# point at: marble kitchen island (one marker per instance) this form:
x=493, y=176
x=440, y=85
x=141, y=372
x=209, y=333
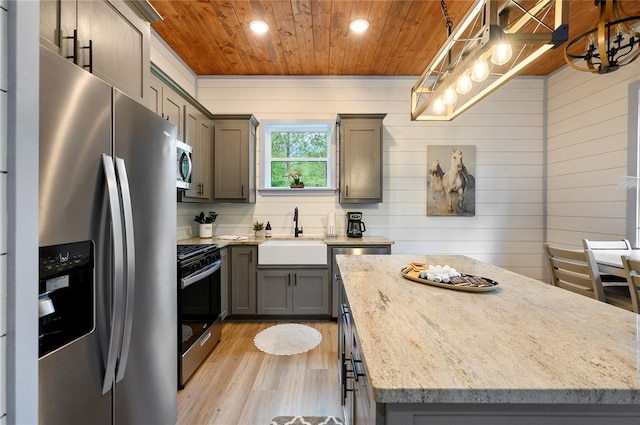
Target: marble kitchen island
x=526, y=353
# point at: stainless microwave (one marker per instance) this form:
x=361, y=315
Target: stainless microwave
x=184, y=164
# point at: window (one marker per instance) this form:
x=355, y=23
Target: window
x=298, y=152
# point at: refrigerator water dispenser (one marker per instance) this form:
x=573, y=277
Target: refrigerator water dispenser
x=65, y=301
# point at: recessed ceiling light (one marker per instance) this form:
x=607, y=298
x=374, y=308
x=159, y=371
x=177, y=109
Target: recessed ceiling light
x=258, y=26
x=359, y=25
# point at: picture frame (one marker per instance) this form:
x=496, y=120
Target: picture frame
x=451, y=180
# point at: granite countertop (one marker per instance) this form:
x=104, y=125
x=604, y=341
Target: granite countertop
x=252, y=240
x=525, y=342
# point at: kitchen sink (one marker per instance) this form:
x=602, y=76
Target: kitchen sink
x=292, y=252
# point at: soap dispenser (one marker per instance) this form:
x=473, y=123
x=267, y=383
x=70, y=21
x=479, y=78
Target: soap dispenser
x=267, y=231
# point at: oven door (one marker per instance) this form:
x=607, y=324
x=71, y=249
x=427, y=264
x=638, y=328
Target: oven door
x=184, y=162
x=200, y=326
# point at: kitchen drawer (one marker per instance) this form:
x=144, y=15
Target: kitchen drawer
x=3, y=49
x=3, y=213
x=3, y=376
x=3, y=295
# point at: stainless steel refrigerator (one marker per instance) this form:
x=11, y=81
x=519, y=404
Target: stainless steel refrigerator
x=107, y=231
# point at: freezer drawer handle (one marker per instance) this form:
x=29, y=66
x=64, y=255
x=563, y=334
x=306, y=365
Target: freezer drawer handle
x=206, y=338
x=130, y=269
x=117, y=307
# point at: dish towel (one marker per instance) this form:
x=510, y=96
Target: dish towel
x=232, y=238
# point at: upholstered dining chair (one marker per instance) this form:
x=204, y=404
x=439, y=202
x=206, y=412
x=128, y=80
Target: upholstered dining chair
x=575, y=271
x=619, y=245
x=632, y=270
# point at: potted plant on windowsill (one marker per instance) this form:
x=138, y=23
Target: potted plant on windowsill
x=296, y=179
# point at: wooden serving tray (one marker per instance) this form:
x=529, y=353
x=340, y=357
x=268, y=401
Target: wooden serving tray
x=465, y=282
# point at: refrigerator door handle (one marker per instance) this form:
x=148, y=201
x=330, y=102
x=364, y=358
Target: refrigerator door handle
x=130, y=270
x=117, y=306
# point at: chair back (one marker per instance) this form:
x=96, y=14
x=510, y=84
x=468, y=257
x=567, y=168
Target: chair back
x=575, y=271
x=632, y=269
x=594, y=245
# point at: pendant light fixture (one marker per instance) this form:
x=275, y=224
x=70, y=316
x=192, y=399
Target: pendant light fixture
x=494, y=41
x=614, y=41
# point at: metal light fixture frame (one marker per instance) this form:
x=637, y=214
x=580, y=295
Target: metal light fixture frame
x=479, y=32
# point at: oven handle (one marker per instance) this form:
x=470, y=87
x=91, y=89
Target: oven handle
x=201, y=274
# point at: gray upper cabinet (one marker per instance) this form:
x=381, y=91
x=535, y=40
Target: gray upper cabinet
x=360, y=158
x=234, y=158
x=194, y=128
x=154, y=99
x=111, y=40
x=199, y=134
x=173, y=109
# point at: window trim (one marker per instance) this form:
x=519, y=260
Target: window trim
x=633, y=163
x=265, y=167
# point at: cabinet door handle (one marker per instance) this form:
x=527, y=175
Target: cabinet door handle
x=347, y=195
x=354, y=363
x=242, y=192
x=73, y=37
x=289, y=279
x=90, y=47
x=250, y=257
x=295, y=279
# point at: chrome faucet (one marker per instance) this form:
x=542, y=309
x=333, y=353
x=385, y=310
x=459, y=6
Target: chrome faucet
x=295, y=219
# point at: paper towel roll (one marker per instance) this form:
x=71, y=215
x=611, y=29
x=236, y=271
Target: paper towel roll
x=331, y=223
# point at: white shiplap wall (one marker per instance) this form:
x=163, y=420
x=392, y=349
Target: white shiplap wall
x=507, y=129
x=587, y=154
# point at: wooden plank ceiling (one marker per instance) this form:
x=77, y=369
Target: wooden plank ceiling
x=312, y=37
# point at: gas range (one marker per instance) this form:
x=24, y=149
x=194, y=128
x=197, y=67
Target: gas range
x=199, y=306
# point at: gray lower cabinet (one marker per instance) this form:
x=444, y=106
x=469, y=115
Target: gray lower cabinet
x=356, y=393
x=293, y=291
x=224, y=283
x=243, y=279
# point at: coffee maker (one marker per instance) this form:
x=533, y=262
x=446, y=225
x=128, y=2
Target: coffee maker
x=355, y=226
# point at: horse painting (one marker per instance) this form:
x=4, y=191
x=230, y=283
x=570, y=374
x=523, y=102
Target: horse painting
x=455, y=180
x=451, y=192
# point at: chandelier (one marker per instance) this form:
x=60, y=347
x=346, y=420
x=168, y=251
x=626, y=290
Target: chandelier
x=611, y=43
x=491, y=45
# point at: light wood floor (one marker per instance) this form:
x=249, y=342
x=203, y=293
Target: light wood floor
x=240, y=385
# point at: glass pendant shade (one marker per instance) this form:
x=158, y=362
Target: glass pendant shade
x=480, y=70
x=450, y=96
x=501, y=54
x=439, y=107
x=464, y=84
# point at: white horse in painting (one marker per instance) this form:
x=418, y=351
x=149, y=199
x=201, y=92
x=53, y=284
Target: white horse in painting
x=436, y=173
x=455, y=180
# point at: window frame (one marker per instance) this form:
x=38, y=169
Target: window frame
x=633, y=164
x=309, y=125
